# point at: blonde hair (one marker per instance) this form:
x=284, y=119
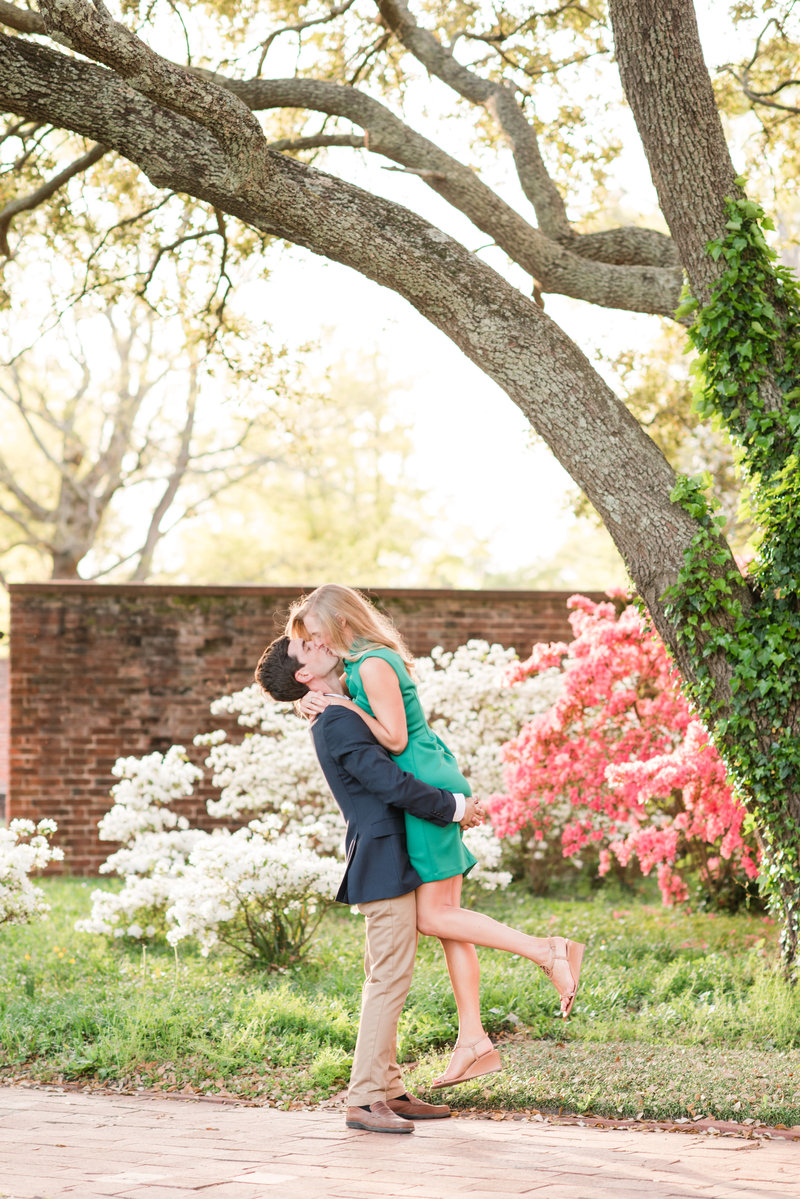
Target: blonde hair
x=334, y=606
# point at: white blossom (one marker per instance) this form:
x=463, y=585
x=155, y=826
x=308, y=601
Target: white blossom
x=255, y=875
x=148, y=786
x=24, y=847
x=488, y=850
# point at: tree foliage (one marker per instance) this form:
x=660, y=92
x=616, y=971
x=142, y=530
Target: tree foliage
x=113, y=414
x=106, y=408
x=749, y=335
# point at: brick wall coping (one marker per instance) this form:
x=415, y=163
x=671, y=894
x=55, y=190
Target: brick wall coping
x=82, y=587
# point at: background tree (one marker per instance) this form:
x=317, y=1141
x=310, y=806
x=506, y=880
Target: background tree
x=736, y=641
x=109, y=420
x=104, y=422
x=340, y=503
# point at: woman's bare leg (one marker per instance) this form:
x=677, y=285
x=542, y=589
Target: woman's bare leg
x=464, y=972
x=439, y=916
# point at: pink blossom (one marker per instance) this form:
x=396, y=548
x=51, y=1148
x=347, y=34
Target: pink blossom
x=622, y=750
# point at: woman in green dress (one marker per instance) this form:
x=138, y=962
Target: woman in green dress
x=377, y=673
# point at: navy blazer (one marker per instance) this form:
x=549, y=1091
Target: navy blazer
x=372, y=791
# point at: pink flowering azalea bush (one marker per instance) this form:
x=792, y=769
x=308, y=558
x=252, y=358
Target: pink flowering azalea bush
x=617, y=773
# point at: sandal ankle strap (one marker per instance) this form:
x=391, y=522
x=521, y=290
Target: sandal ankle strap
x=471, y=1044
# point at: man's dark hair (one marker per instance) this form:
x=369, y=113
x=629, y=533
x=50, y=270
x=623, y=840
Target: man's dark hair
x=276, y=670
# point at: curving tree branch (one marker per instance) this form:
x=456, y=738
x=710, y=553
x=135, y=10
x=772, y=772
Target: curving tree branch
x=627, y=246
x=21, y=19
x=92, y=32
x=43, y=193
x=622, y=283
x=627, y=268
x=589, y=430
x=742, y=75
x=300, y=26
x=320, y=141
x=498, y=99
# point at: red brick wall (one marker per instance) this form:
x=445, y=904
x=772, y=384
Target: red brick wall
x=103, y=671
x=4, y=722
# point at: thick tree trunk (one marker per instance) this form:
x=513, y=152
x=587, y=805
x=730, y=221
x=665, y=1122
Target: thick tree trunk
x=667, y=85
x=74, y=531
x=65, y=565
x=669, y=90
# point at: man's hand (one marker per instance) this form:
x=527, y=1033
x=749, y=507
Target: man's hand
x=473, y=813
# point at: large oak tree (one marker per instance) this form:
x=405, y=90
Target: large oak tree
x=195, y=131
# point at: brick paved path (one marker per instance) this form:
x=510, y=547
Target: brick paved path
x=55, y=1144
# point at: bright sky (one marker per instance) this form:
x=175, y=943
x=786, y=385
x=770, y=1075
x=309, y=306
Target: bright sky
x=472, y=445
x=474, y=451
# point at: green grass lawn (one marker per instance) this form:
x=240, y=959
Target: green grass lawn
x=679, y=1014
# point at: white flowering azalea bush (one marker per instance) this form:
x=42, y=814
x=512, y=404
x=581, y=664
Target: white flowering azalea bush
x=274, y=770
x=155, y=844
x=24, y=848
x=261, y=888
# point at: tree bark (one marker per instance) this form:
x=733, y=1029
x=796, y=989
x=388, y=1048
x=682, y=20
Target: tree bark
x=667, y=85
x=669, y=90
x=629, y=269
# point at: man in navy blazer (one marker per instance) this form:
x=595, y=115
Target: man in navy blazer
x=372, y=793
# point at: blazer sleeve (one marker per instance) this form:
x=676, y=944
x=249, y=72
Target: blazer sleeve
x=353, y=746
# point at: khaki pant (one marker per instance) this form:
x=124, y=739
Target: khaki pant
x=391, y=947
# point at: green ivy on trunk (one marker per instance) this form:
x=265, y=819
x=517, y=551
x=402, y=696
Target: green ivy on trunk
x=748, y=337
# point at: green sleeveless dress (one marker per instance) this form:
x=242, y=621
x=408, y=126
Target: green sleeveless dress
x=435, y=852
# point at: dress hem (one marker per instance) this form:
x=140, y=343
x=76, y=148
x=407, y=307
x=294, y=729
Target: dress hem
x=437, y=878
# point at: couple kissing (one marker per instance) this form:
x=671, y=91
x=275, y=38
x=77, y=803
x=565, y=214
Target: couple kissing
x=405, y=803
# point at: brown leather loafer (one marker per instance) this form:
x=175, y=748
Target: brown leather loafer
x=418, y=1109
x=379, y=1118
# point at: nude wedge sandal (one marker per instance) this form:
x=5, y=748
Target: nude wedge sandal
x=572, y=953
x=482, y=1063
